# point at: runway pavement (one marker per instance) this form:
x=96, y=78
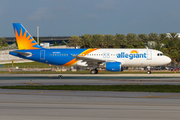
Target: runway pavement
x=87, y=105
x=81, y=79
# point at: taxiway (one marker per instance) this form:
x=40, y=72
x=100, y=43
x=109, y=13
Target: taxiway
x=87, y=105
x=81, y=79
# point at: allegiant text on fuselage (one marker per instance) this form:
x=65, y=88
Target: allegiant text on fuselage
x=131, y=56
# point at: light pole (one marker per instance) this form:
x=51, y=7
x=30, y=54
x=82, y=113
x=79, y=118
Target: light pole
x=38, y=34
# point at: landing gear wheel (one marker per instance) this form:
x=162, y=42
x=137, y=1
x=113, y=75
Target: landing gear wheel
x=148, y=72
x=94, y=71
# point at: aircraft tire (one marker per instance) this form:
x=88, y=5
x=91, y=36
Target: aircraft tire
x=94, y=71
x=148, y=72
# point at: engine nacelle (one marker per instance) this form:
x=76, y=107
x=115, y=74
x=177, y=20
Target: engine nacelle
x=114, y=66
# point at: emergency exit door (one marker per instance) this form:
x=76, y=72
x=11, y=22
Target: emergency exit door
x=42, y=54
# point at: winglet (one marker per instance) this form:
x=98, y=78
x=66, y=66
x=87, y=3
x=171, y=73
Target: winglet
x=24, y=40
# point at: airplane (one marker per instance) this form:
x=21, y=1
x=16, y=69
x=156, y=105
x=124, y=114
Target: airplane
x=109, y=59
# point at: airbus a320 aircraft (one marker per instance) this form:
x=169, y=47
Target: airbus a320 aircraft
x=110, y=59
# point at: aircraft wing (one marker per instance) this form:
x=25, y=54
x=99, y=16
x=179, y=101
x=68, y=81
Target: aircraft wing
x=92, y=61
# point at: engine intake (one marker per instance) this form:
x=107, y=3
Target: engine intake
x=114, y=66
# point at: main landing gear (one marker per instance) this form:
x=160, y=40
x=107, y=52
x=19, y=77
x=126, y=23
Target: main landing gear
x=94, y=71
x=148, y=70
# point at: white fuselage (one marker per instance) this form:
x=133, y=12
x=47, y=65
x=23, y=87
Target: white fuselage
x=129, y=57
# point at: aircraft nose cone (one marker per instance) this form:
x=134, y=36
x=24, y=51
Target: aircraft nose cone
x=168, y=60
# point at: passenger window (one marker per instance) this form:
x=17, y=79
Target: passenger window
x=108, y=55
x=50, y=54
x=158, y=54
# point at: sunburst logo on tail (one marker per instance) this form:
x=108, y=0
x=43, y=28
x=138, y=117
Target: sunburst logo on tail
x=24, y=39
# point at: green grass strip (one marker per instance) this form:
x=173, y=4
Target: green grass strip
x=130, y=88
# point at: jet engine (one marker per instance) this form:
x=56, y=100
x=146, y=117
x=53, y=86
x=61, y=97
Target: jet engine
x=114, y=66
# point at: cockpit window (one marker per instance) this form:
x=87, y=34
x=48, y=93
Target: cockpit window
x=160, y=54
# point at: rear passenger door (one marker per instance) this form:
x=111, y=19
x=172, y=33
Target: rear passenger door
x=42, y=54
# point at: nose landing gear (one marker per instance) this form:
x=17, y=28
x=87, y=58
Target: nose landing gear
x=148, y=70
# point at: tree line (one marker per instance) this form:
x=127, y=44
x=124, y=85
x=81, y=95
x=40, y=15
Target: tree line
x=169, y=44
x=3, y=42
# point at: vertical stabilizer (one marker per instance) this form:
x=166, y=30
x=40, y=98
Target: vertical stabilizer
x=24, y=40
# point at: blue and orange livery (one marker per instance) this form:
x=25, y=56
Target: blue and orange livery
x=111, y=59
x=27, y=44
x=24, y=40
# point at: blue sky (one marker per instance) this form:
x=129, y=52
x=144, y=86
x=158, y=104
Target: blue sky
x=79, y=17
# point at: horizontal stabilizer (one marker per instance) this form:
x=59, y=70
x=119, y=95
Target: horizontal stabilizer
x=19, y=53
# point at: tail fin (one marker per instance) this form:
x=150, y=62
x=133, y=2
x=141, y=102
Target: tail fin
x=24, y=39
